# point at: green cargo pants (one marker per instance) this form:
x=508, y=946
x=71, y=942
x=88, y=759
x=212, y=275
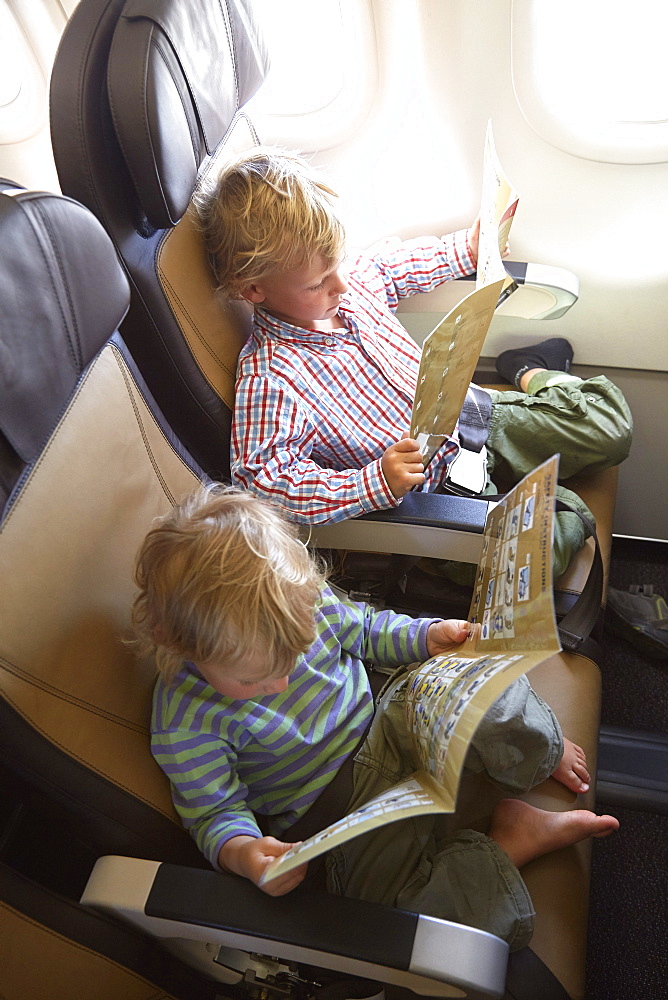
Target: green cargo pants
x=587, y=422
x=411, y=864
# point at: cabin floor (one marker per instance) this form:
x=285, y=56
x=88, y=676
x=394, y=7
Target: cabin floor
x=628, y=926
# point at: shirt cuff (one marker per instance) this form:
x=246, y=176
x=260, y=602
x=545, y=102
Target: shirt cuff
x=459, y=253
x=248, y=829
x=375, y=494
x=421, y=638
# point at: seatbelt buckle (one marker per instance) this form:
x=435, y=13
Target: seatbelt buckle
x=467, y=473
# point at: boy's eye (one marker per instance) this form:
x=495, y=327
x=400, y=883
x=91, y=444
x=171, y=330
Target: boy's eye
x=314, y=288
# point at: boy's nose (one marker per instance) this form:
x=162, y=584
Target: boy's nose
x=276, y=685
x=340, y=284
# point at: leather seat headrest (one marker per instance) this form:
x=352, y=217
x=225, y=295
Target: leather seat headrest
x=63, y=294
x=178, y=72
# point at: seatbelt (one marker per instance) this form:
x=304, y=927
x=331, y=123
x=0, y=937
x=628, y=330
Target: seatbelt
x=528, y=977
x=474, y=418
x=466, y=474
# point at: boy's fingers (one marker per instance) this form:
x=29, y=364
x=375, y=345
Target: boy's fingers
x=406, y=443
x=291, y=880
x=454, y=628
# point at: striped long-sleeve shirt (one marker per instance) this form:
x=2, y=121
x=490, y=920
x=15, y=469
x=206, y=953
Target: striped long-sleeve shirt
x=314, y=411
x=228, y=758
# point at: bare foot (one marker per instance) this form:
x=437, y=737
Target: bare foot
x=572, y=770
x=525, y=832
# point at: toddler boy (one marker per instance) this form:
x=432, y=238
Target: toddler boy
x=263, y=703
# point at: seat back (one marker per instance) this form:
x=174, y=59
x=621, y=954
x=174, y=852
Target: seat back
x=52, y=948
x=99, y=464
x=145, y=107
x=41, y=364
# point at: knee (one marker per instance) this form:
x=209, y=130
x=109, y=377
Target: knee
x=614, y=424
x=569, y=537
x=620, y=442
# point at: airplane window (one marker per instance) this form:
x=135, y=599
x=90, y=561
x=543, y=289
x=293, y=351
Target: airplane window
x=10, y=84
x=22, y=109
x=303, y=40
x=29, y=35
x=590, y=77
x=322, y=67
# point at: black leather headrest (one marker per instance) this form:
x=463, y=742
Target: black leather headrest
x=63, y=293
x=178, y=71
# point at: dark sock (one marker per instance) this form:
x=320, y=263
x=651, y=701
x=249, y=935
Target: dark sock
x=555, y=354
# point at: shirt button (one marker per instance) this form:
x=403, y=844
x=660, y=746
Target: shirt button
x=329, y=342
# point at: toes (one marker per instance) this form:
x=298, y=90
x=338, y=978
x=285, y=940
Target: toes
x=578, y=782
x=607, y=824
x=576, y=751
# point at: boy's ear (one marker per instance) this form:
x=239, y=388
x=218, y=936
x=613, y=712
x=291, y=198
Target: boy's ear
x=252, y=293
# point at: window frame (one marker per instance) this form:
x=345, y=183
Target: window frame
x=23, y=114
x=329, y=125
x=608, y=142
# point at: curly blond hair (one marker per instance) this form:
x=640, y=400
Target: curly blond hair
x=268, y=211
x=222, y=575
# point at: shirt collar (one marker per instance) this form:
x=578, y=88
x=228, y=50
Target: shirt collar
x=288, y=333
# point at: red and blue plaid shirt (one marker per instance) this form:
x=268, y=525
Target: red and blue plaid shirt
x=315, y=410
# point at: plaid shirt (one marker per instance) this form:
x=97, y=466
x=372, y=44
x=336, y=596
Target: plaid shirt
x=315, y=410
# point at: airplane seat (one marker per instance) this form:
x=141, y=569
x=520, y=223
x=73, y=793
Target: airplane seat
x=77, y=775
x=61, y=354
x=144, y=104
x=58, y=635
x=52, y=948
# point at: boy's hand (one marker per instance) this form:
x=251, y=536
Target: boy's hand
x=403, y=466
x=442, y=636
x=473, y=237
x=249, y=856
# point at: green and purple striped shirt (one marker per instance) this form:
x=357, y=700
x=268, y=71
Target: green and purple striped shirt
x=227, y=758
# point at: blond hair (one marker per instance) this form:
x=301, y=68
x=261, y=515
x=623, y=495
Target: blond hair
x=268, y=212
x=221, y=576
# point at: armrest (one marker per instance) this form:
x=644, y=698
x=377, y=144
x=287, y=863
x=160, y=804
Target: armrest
x=424, y=524
x=543, y=292
x=360, y=939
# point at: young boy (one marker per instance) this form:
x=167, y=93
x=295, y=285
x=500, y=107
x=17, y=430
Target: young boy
x=263, y=698
x=326, y=382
